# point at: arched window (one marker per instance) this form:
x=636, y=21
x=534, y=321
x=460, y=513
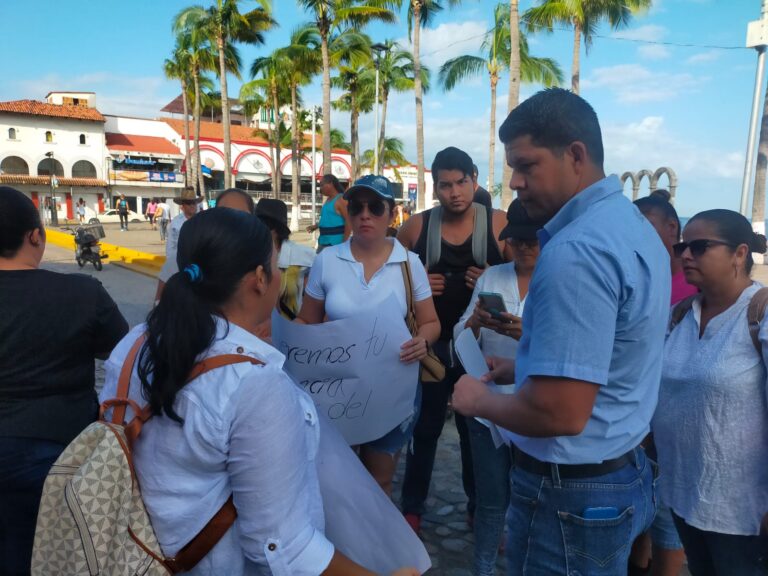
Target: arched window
x=44, y=167
x=12, y=133
x=49, y=136
x=14, y=165
x=83, y=169
x=82, y=138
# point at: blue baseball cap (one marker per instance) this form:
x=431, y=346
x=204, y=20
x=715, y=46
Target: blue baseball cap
x=377, y=184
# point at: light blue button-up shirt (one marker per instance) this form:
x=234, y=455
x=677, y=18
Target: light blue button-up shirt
x=597, y=311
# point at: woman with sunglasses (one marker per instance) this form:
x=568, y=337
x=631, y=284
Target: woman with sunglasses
x=711, y=423
x=361, y=273
x=498, y=336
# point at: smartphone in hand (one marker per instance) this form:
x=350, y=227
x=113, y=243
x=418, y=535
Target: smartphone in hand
x=493, y=303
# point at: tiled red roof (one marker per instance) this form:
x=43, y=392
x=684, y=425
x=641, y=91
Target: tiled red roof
x=243, y=134
x=134, y=143
x=46, y=181
x=35, y=108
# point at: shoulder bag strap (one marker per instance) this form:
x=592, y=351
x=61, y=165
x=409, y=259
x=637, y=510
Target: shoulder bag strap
x=755, y=315
x=680, y=310
x=121, y=402
x=410, y=315
x=434, y=236
x=480, y=235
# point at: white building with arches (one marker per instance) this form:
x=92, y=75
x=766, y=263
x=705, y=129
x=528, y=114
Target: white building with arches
x=63, y=135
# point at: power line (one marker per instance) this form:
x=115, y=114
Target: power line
x=603, y=37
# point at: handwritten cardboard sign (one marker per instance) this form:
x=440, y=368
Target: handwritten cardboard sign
x=351, y=368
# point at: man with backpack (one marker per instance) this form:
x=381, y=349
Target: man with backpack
x=122, y=211
x=456, y=241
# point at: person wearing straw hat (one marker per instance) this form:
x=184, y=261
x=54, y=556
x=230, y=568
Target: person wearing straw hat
x=188, y=201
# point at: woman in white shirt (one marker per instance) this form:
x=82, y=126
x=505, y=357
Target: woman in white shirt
x=241, y=430
x=499, y=338
x=711, y=423
x=362, y=273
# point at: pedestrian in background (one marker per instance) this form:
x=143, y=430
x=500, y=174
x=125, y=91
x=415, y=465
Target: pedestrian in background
x=47, y=393
x=334, y=222
x=150, y=213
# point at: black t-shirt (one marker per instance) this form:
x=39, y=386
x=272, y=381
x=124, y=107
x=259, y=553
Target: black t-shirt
x=51, y=327
x=453, y=264
x=482, y=196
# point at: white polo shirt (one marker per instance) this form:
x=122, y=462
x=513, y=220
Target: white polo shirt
x=338, y=279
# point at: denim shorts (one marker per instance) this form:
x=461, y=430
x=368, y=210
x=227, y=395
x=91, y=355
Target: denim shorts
x=663, y=531
x=393, y=441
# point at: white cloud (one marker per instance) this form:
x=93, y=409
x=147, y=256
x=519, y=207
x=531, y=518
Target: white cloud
x=649, y=144
x=653, y=52
x=115, y=94
x=449, y=40
x=632, y=83
x=703, y=57
x=647, y=33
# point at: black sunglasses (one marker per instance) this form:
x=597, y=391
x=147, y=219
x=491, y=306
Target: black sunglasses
x=698, y=247
x=527, y=242
x=188, y=202
x=375, y=207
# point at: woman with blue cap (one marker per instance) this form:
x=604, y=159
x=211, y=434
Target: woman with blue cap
x=363, y=272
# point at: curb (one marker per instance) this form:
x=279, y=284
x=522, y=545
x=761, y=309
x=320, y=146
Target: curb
x=142, y=262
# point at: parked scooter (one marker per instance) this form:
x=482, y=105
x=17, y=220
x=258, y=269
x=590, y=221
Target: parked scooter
x=87, y=247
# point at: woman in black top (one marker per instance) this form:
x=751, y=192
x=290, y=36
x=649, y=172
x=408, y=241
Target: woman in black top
x=52, y=326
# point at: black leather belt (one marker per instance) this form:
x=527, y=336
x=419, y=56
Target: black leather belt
x=535, y=466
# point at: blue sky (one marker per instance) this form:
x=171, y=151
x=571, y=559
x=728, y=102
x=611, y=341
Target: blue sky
x=686, y=107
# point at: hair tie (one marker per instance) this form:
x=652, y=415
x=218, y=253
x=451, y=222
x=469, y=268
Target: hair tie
x=194, y=273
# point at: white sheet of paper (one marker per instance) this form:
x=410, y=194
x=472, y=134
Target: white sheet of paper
x=473, y=360
x=352, y=370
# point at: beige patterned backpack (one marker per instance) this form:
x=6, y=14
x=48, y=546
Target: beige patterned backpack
x=92, y=519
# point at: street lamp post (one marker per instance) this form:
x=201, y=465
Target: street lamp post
x=314, y=172
x=757, y=38
x=54, y=212
x=378, y=48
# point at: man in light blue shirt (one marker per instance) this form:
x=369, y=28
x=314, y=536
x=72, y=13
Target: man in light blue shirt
x=588, y=365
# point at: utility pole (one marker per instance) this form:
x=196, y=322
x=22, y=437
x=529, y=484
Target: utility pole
x=54, y=211
x=314, y=161
x=757, y=38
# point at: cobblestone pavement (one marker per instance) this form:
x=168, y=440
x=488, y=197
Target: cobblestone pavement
x=445, y=532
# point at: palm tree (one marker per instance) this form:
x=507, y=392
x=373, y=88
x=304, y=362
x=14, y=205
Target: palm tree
x=334, y=15
x=358, y=98
x=761, y=167
x=395, y=73
x=585, y=16
x=497, y=46
x=178, y=67
x=193, y=39
x=225, y=25
x=420, y=13
x=513, y=95
x=392, y=156
x=271, y=89
x=302, y=62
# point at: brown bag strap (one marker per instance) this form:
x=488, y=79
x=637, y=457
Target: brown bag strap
x=188, y=557
x=680, y=310
x=410, y=315
x=121, y=401
x=755, y=315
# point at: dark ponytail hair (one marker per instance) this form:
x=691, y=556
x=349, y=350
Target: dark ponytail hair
x=216, y=249
x=735, y=229
x=659, y=201
x=18, y=217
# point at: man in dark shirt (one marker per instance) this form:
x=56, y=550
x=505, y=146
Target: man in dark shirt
x=52, y=326
x=482, y=196
x=453, y=273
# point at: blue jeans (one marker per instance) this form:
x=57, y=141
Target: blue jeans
x=715, y=554
x=491, y=466
x=24, y=464
x=547, y=531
